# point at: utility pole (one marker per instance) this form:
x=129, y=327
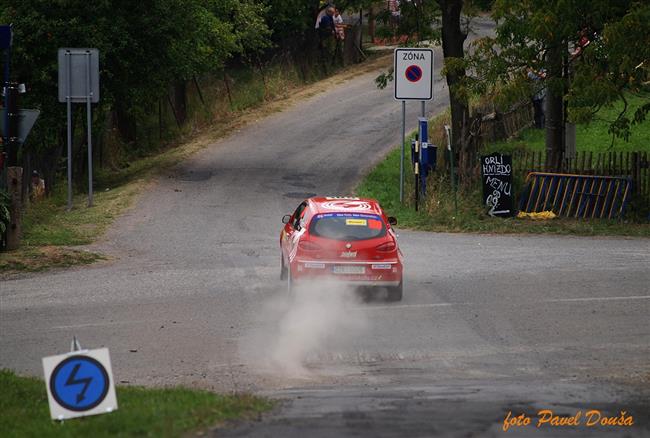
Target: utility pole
x=14, y=172
x=10, y=91
x=10, y=142
x=16, y=125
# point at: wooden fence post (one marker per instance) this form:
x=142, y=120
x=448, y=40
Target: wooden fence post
x=636, y=172
x=14, y=185
x=646, y=171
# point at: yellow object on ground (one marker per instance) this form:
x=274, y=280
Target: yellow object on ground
x=542, y=215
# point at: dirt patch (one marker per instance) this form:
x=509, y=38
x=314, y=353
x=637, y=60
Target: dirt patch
x=15, y=264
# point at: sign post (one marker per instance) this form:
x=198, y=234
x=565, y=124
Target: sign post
x=413, y=79
x=79, y=383
x=6, y=39
x=401, y=158
x=89, y=122
x=20, y=125
x=79, y=83
x=14, y=131
x=451, y=171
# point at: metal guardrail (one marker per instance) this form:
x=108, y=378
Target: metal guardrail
x=578, y=196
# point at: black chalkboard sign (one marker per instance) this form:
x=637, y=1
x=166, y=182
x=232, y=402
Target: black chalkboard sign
x=496, y=172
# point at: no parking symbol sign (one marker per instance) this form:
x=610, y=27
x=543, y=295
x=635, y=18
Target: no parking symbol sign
x=79, y=383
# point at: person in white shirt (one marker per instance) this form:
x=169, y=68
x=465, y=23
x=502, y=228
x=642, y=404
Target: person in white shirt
x=338, y=25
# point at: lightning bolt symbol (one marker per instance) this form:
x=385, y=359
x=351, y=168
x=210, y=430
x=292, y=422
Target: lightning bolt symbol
x=73, y=381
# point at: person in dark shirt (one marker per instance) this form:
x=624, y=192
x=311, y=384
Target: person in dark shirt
x=326, y=26
x=538, y=98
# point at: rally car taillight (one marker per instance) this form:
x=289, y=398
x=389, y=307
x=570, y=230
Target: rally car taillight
x=308, y=246
x=386, y=247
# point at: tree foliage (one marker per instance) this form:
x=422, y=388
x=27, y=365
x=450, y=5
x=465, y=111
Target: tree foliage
x=594, y=53
x=144, y=46
x=290, y=20
x=141, y=53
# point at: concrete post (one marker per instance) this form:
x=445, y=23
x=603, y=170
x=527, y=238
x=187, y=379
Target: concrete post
x=14, y=185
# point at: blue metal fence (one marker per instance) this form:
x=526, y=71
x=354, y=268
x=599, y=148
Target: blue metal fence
x=578, y=196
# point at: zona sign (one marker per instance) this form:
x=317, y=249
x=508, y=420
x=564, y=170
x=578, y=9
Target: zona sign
x=413, y=73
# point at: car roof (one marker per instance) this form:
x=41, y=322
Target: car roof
x=332, y=204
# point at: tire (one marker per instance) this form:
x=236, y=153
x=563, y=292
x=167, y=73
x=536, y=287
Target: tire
x=395, y=293
x=283, y=269
x=290, y=286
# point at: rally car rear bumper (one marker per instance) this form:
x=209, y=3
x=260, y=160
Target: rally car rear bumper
x=378, y=274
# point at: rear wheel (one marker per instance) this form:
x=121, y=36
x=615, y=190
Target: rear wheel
x=283, y=269
x=395, y=292
x=290, y=285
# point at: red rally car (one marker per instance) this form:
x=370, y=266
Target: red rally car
x=347, y=239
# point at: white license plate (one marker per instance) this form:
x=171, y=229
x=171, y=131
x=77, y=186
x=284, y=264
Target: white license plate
x=349, y=269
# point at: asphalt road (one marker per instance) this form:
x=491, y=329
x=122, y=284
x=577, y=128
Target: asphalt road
x=488, y=325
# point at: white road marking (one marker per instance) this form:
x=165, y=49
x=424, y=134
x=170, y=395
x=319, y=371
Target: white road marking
x=419, y=306
x=102, y=324
x=554, y=300
x=631, y=297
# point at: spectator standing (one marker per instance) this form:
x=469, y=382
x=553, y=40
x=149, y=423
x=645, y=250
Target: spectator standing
x=538, y=98
x=393, y=8
x=339, y=27
x=37, y=187
x=326, y=25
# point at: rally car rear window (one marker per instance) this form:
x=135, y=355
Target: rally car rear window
x=347, y=226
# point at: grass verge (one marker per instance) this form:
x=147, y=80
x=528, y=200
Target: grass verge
x=47, y=224
x=50, y=233
x=142, y=412
x=438, y=211
x=589, y=137
x=36, y=259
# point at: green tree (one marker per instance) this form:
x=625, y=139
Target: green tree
x=292, y=22
x=141, y=54
x=453, y=48
x=248, y=17
x=593, y=53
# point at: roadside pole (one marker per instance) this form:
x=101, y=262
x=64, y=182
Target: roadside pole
x=89, y=121
x=68, y=99
x=15, y=189
x=7, y=34
x=401, y=159
x=15, y=124
x=451, y=171
x=14, y=173
x=416, y=171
